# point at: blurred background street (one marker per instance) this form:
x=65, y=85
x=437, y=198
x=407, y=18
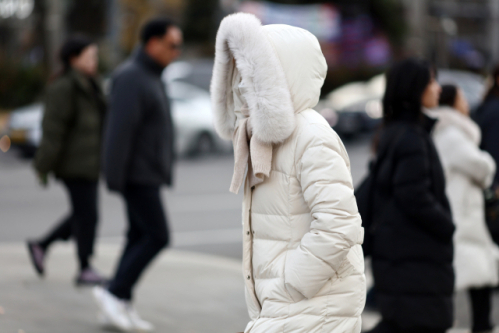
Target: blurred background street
x=197, y=286
x=204, y=216
x=178, y=293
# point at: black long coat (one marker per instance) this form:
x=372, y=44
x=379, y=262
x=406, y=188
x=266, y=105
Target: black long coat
x=487, y=118
x=412, y=247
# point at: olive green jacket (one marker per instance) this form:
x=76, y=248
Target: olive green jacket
x=72, y=129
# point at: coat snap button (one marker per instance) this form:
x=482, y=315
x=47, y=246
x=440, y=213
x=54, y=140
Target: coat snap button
x=248, y=277
x=247, y=232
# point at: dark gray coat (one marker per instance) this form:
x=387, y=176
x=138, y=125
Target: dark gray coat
x=138, y=145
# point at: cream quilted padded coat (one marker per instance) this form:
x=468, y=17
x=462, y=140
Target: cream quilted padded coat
x=302, y=259
x=468, y=171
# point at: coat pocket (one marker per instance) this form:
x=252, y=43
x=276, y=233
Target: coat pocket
x=293, y=294
x=353, y=263
x=346, y=269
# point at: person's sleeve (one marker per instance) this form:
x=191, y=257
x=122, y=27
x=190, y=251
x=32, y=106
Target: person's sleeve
x=122, y=120
x=461, y=154
x=489, y=124
x=327, y=188
x=412, y=189
x=57, y=120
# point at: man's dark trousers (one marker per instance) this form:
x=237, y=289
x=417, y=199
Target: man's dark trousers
x=147, y=235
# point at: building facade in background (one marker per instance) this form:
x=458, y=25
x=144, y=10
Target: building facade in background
x=32, y=31
x=454, y=33
x=359, y=37
x=353, y=41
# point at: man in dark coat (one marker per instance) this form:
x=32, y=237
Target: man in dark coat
x=487, y=118
x=138, y=159
x=412, y=248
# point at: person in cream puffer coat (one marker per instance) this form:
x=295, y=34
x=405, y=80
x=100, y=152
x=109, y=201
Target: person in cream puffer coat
x=302, y=257
x=468, y=171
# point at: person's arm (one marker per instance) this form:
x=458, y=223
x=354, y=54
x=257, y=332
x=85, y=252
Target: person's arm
x=122, y=121
x=58, y=117
x=336, y=227
x=411, y=189
x=460, y=154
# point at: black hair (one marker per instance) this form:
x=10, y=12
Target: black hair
x=406, y=82
x=494, y=90
x=71, y=48
x=155, y=28
x=448, y=95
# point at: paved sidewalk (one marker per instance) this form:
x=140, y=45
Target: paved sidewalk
x=183, y=292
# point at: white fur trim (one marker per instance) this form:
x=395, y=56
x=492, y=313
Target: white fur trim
x=272, y=117
x=448, y=116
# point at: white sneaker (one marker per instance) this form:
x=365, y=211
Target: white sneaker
x=113, y=309
x=138, y=323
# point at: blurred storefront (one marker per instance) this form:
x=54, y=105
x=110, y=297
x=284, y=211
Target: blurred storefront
x=455, y=33
x=346, y=41
x=24, y=23
x=354, y=41
x=352, y=38
x=21, y=51
x=359, y=37
x=32, y=31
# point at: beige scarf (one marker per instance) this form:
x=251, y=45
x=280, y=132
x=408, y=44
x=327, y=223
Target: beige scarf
x=248, y=150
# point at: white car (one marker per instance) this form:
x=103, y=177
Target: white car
x=357, y=106
x=191, y=111
x=193, y=119
x=24, y=128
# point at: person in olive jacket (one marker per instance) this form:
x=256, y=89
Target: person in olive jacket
x=71, y=149
x=412, y=226
x=138, y=160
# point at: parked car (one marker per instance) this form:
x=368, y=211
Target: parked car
x=358, y=106
x=24, y=127
x=192, y=116
x=196, y=72
x=193, y=119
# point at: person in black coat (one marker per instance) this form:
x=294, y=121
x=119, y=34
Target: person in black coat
x=138, y=160
x=487, y=117
x=412, y=250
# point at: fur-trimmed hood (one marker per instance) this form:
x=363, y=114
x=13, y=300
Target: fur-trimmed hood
x=282, y=69
x=448, y=116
